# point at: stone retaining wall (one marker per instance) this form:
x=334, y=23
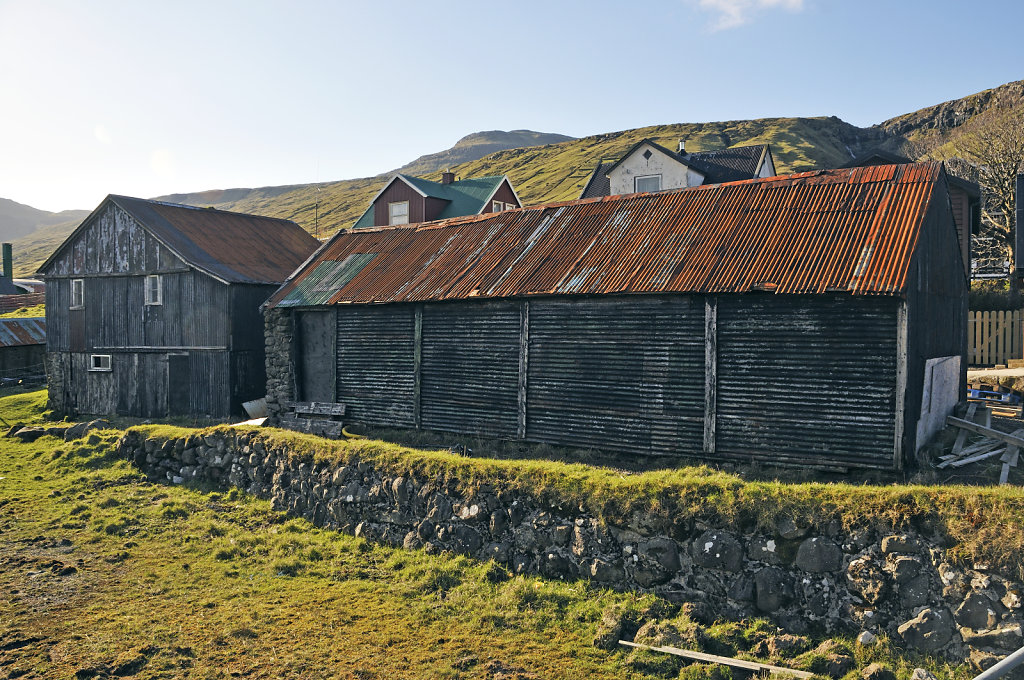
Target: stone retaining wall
x=899, y=584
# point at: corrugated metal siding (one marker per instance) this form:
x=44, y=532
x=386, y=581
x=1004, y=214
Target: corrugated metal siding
x=210, y=387
x=376, y=376
x=806, y=380
x=470, y=368
x=617, y=374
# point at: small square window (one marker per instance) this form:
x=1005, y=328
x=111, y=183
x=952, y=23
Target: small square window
x=154, y=290
x=510, y=206
x=497, y=206
x=77, y=293
x=648, y=183
x=398, y=213
x=99, y=362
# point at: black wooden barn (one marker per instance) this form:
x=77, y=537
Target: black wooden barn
x=152, y=308
x=817, y=318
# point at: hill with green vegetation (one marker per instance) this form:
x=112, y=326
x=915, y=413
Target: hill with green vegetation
x=546, y=168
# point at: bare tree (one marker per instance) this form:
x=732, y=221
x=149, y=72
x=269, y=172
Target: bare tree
x=995, y=145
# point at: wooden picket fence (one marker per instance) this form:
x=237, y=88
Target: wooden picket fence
x=994, y=337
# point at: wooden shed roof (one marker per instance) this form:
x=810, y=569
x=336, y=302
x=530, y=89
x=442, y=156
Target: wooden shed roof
x=850, y=230
x=232, y=247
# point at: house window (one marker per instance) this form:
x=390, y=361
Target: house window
x=510, y=206
x=497, y=206
x=648, y=183
x=77, y=293
x=398, y=213
x=154, y=290
x=99, y=362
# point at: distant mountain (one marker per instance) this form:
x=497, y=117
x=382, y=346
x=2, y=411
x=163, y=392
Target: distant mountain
x=477, y=145
x=547, y=167
x=17, y=219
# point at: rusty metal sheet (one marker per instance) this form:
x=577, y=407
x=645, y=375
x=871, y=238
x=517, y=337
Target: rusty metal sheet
x=20, y=332
x=850, y=230
x=234, y=247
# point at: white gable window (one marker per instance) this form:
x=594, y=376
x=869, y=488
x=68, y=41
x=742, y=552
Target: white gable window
x=154, y=290
x=510, y=206
x=77, y=293
x=99, y=362
x=398, y=212
x=648, y=183
x=497, y=206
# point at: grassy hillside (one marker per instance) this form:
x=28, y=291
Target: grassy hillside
x=557, y=171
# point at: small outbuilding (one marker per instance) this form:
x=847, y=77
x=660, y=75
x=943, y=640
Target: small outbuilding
x=812, y=319
x=22, y=348
x=152, y=308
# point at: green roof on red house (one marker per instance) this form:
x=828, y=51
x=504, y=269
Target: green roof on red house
x=464, y=196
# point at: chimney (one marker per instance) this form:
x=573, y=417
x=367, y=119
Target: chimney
x=682, y=146
x=8, y=262
x=447, y=177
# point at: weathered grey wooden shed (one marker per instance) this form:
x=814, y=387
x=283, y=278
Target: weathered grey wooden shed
x=152, y=308
x=812, y=319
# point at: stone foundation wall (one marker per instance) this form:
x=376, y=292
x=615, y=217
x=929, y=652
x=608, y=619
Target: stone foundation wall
x=56, y=389
x=899, y=584
x=280, y=366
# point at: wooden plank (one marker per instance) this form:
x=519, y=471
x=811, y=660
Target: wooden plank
x=1009, y=460
x=974, y=459
x=417, y=367
x=961, y=438
x=710, y=373
x=524, y=365
x=723, y=660
x=987, y=431
x=901, y=384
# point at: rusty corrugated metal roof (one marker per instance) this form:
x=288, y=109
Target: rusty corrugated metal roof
x=25, y=331
x=234, y=247
x=850, y=230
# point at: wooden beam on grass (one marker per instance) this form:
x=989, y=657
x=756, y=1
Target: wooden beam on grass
x=724, y=660
x=987, y=431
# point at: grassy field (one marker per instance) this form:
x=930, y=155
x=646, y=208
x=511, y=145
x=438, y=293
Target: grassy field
x=105, y=574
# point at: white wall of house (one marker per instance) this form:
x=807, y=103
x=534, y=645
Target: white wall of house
x=674, y=175
x=768, y=167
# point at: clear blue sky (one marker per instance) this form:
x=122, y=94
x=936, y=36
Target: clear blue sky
x=148, y=98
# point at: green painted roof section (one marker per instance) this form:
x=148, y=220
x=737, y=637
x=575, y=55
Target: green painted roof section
x=464, y=196
x=326, y=279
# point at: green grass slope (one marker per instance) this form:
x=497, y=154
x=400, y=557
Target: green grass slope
x=106, y=574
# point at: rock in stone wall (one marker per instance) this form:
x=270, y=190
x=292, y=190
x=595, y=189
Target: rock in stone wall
x=900, y=584
x=280, y=374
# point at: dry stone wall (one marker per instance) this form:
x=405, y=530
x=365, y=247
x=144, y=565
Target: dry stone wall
x=280, y=366
x=902, y=584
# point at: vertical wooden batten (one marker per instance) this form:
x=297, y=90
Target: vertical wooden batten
x=710, y=371
x=524, y=359
x=417, y=365
x=901, y=384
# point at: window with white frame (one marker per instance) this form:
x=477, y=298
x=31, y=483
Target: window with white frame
x=99, y=362
x=497, y=206
x=648, y=183
x=154, y=290
x=510, y=206
x=77, y=293
x=398, y=212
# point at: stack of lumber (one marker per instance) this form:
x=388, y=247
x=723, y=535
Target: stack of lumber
x=1005, y=400
x=989, y=444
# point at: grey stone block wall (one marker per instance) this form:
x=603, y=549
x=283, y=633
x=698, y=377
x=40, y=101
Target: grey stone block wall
x=900, y=584
x=280, y=367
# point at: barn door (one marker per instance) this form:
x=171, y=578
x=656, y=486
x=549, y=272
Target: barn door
x=179, y=380
x=316, y=351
